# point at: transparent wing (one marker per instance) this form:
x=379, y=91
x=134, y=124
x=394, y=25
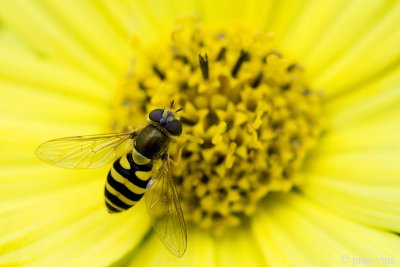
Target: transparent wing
x=89, y=151
x=165, y=211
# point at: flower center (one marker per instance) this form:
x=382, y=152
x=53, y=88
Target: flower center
x=248, y=118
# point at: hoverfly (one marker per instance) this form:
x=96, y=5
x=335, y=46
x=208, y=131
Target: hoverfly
x=132, y=175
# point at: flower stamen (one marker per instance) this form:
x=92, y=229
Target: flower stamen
x=244, y=56
x=159, y=73
x=257, y=80
x=203, y=59
x=221, y=54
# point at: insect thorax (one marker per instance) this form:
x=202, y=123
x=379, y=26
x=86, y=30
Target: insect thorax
x=151, y=142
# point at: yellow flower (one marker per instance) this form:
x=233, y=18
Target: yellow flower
x=260, y=184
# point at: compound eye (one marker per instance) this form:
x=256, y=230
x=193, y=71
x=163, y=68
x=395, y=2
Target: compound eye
x=156, y=115
x=174, y=127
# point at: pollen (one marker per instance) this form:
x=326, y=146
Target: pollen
x=249, y=118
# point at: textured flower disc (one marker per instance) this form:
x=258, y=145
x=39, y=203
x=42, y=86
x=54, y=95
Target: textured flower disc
x=249, y=117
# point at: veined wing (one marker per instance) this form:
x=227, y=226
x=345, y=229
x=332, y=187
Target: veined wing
x=88, y=151
x=165, y=211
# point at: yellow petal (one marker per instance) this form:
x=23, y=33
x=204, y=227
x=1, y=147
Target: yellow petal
x=238, y=249
x=305, y=32
x=354, y=21
x=359, y=180
x=284, y=16
x=151, y=21
x=223, y=13
x=51, y=77
x=369, y=137
x=278, y=245
x=374, y=101
x=90, y=30
x=50, y=39
x=34, y=226
x=28, y=103
x=362, y=167
x=200, y=252
x=291, y=226
x=46, y=75
x=372, y=204
x=376, y=51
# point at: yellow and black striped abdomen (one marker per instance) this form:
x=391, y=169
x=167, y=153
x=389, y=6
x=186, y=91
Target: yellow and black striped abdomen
x=127, y=181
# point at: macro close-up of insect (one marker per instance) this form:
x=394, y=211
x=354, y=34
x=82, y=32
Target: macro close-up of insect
x=199, y=133
x=131, y=175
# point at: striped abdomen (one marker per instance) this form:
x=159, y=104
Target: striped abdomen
x=127, y=181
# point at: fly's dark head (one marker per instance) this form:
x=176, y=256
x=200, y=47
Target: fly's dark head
x=167, y=120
